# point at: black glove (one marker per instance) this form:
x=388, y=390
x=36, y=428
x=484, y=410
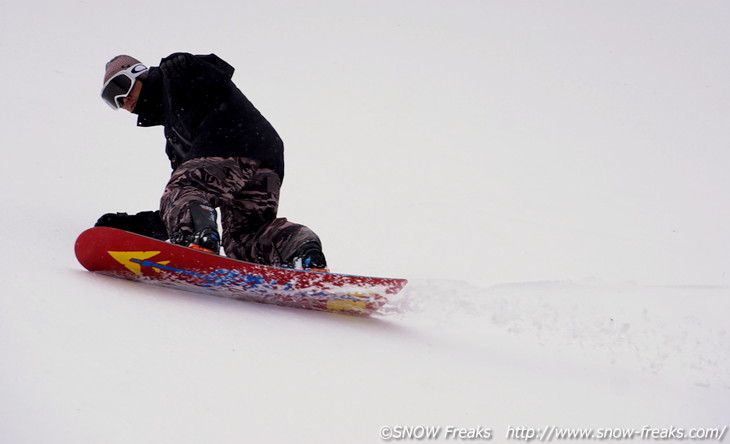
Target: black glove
x=146, y=223
x=176, y=64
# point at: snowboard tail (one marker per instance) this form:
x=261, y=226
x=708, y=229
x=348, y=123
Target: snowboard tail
x=131, y=256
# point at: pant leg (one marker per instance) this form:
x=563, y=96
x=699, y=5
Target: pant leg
x=279, y=242
x=208, y=181
x=251, y=230
x=250, y=208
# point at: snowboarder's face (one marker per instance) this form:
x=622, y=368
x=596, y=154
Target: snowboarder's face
x=130, y=102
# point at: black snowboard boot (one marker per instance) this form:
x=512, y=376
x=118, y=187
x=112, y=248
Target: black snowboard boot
x=205, y=235
x=310, y=257
x=206, y=240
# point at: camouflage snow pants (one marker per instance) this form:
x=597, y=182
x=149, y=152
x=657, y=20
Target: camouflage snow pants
x=248, y=198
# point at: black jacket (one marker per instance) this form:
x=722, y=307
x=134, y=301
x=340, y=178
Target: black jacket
x=205, y=114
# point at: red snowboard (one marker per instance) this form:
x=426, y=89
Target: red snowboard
x=131, y=256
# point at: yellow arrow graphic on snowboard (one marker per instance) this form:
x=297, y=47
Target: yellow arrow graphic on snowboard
x=125, y=258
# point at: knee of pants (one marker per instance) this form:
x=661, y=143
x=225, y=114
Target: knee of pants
x=175, y=208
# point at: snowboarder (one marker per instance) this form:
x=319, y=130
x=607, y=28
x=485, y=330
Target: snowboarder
x=224, y=154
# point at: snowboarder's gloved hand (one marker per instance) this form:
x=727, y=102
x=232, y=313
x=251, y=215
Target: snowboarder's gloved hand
x=146, y=223
x=176, y=64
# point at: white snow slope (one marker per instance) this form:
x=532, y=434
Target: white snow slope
x=551, y=176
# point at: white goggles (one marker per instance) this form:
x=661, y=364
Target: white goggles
x=121, y=84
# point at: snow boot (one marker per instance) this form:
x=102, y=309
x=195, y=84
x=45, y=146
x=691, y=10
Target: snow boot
x=206, y=240
x=205, y=237
x=310, y=257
